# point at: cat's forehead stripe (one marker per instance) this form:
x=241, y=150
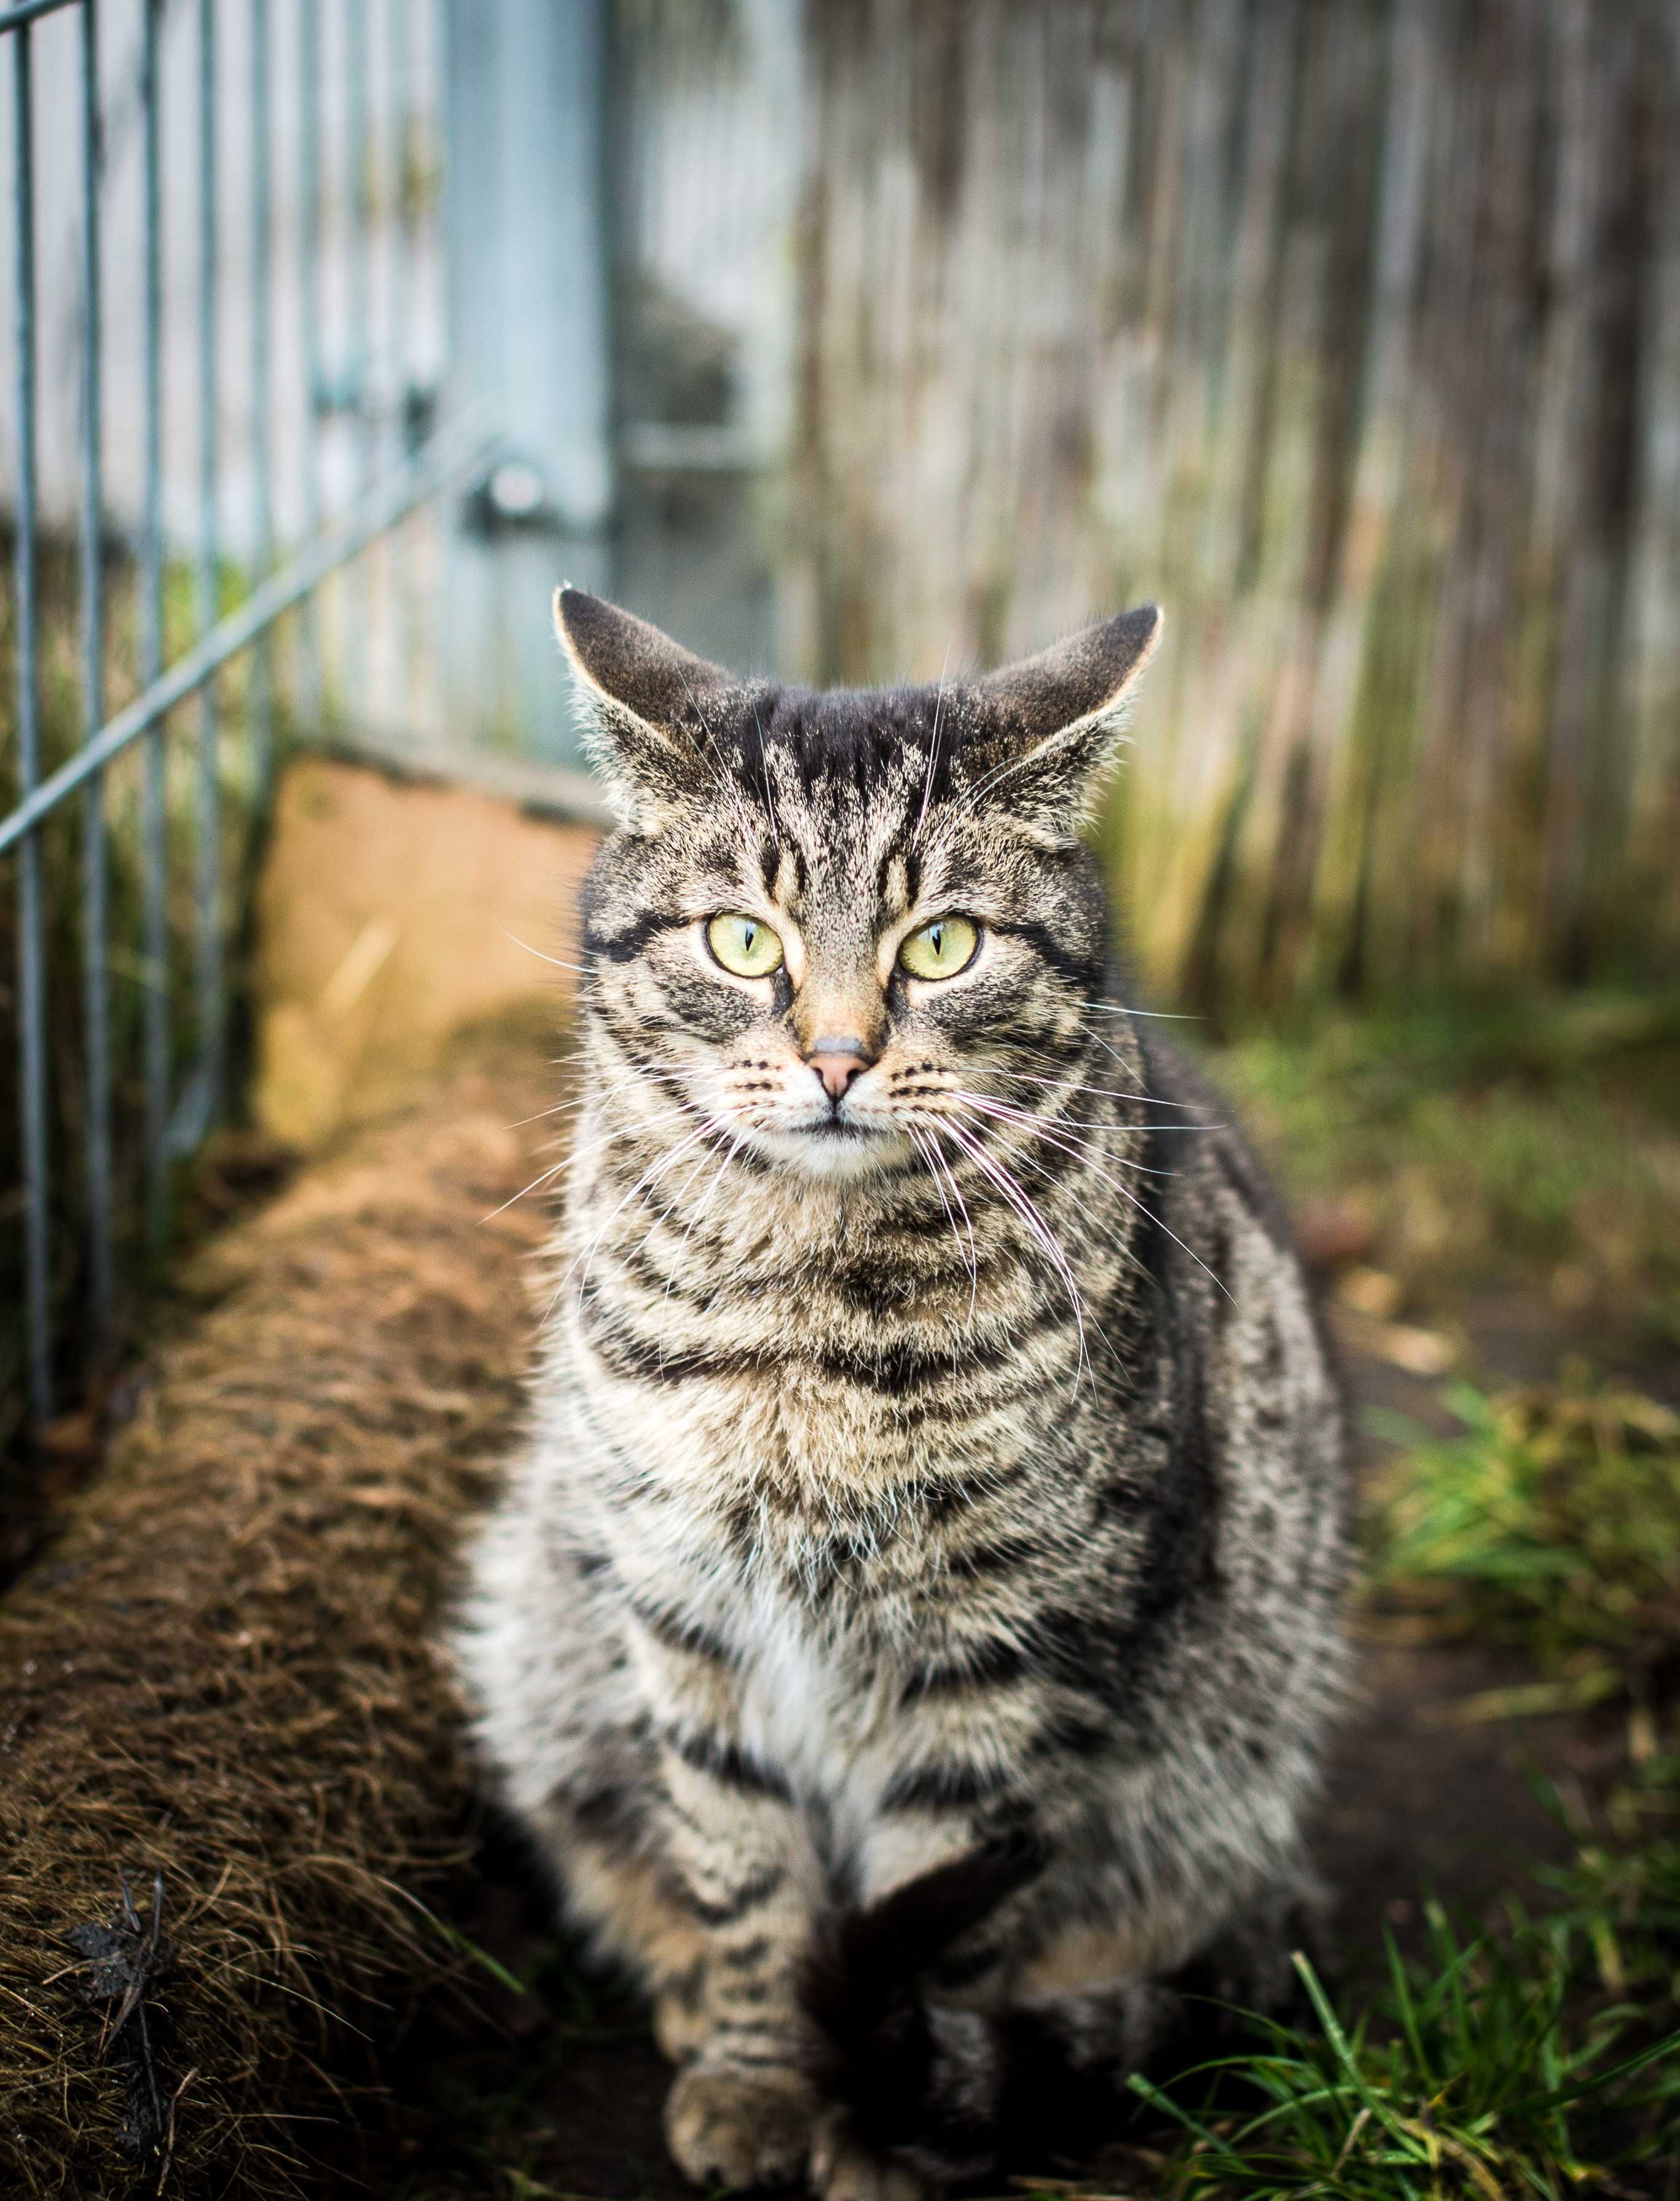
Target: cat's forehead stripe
x=894, y=883
x=789, y=880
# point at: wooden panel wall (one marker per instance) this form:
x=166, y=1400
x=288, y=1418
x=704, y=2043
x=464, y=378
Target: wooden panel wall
x=1349, y=329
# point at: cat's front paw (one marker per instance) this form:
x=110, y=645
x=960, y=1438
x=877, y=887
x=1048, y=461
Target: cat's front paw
x=844, y=2169
x=729, y=2127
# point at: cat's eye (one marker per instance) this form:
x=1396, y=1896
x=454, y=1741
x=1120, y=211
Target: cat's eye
x=941, y=950
x=744, y=945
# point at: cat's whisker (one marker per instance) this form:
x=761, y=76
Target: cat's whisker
x=1096, y=1039
x=1052, y=1179
x=605, y=1093
x=553, y=1171
x=569, y=1156
x=649, y=1178
x=718, y=1177
x=937, y=1159
x=582, y=970
x=735, y=1146
x=1037, y=1126
x=1127, y=1093
x=932, y=747
x=1107, y=1093
x=653, y=1220
x=619, y=1131
x=926, y=1152
x=1078, y=1155
x=1027, y=1209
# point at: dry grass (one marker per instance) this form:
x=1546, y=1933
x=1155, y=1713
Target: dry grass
x=223, y=1669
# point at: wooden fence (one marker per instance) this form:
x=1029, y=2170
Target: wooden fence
x=1349, y=329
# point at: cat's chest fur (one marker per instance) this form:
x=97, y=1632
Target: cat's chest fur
x=797, y=1473
x=810, y=1423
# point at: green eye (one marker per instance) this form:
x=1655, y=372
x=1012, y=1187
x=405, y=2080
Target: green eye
x=744, y=946
x=941, y=950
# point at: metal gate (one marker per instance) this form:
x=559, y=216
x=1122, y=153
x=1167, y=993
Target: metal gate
x=201, y=140
x=339, y=332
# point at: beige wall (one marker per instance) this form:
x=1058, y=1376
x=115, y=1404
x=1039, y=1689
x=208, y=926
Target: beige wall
x=390, y=914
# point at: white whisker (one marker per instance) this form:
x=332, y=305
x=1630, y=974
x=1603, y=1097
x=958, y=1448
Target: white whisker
x=932, y=747
x=1107, y=1093
x=929, y=1157
x=1081, y=1157
x=582, y=1100
x=1038, y=1124
x=648, y=1179
x=1026, y=1208
x=581, y=969
x=619, y=1131
x=967, y=1219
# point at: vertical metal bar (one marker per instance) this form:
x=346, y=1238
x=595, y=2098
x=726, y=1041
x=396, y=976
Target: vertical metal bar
x=263, y=660
x=212, y=1026
x=401, y=34
x=31, y=1096
x=308, y=307
x=155, y=916
x=97, y=1037
x=398, y=561
x=359, y=361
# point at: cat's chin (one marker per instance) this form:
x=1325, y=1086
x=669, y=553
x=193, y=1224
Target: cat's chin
x=837, y=1152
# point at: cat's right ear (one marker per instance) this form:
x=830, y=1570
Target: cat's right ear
x=652, y=713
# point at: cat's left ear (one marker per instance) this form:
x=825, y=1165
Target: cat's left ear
x=654, y=713
x=1056, y=718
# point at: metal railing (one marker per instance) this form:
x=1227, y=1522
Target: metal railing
x=182, y=1100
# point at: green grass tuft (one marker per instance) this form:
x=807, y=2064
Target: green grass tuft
x=1552, y=1522
x=1530, y=1142
x=1622, y=1891
x=1473, y=2073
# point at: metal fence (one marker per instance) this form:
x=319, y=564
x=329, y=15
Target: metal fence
x=341, y=330
x=406, y=452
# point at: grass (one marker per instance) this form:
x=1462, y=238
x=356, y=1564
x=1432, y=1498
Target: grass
x=1531, y=1143
x=1623, y=1889
x=1551, y=1522
x=1540, y=2058
x=1477, y=2071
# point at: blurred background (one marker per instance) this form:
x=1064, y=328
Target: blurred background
x=871, y=340
x=854, y=342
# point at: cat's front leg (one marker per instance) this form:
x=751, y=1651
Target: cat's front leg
x=742, y=2111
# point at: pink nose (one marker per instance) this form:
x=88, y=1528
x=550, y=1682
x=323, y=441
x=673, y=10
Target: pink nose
x=837, y=1062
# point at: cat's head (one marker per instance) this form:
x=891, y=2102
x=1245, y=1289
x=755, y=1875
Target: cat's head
x=826, y=919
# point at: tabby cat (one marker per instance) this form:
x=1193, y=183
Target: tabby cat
x=912, y=1629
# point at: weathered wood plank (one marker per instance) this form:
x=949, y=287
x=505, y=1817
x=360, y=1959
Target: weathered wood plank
x=1351, y=332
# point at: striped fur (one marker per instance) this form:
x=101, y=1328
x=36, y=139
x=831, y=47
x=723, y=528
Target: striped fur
x=953, y=1464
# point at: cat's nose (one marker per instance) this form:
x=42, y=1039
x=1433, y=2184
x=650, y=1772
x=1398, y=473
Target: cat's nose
x=837, y=1062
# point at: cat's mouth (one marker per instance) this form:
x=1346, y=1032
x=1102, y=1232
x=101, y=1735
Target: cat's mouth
x=838, y=1145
